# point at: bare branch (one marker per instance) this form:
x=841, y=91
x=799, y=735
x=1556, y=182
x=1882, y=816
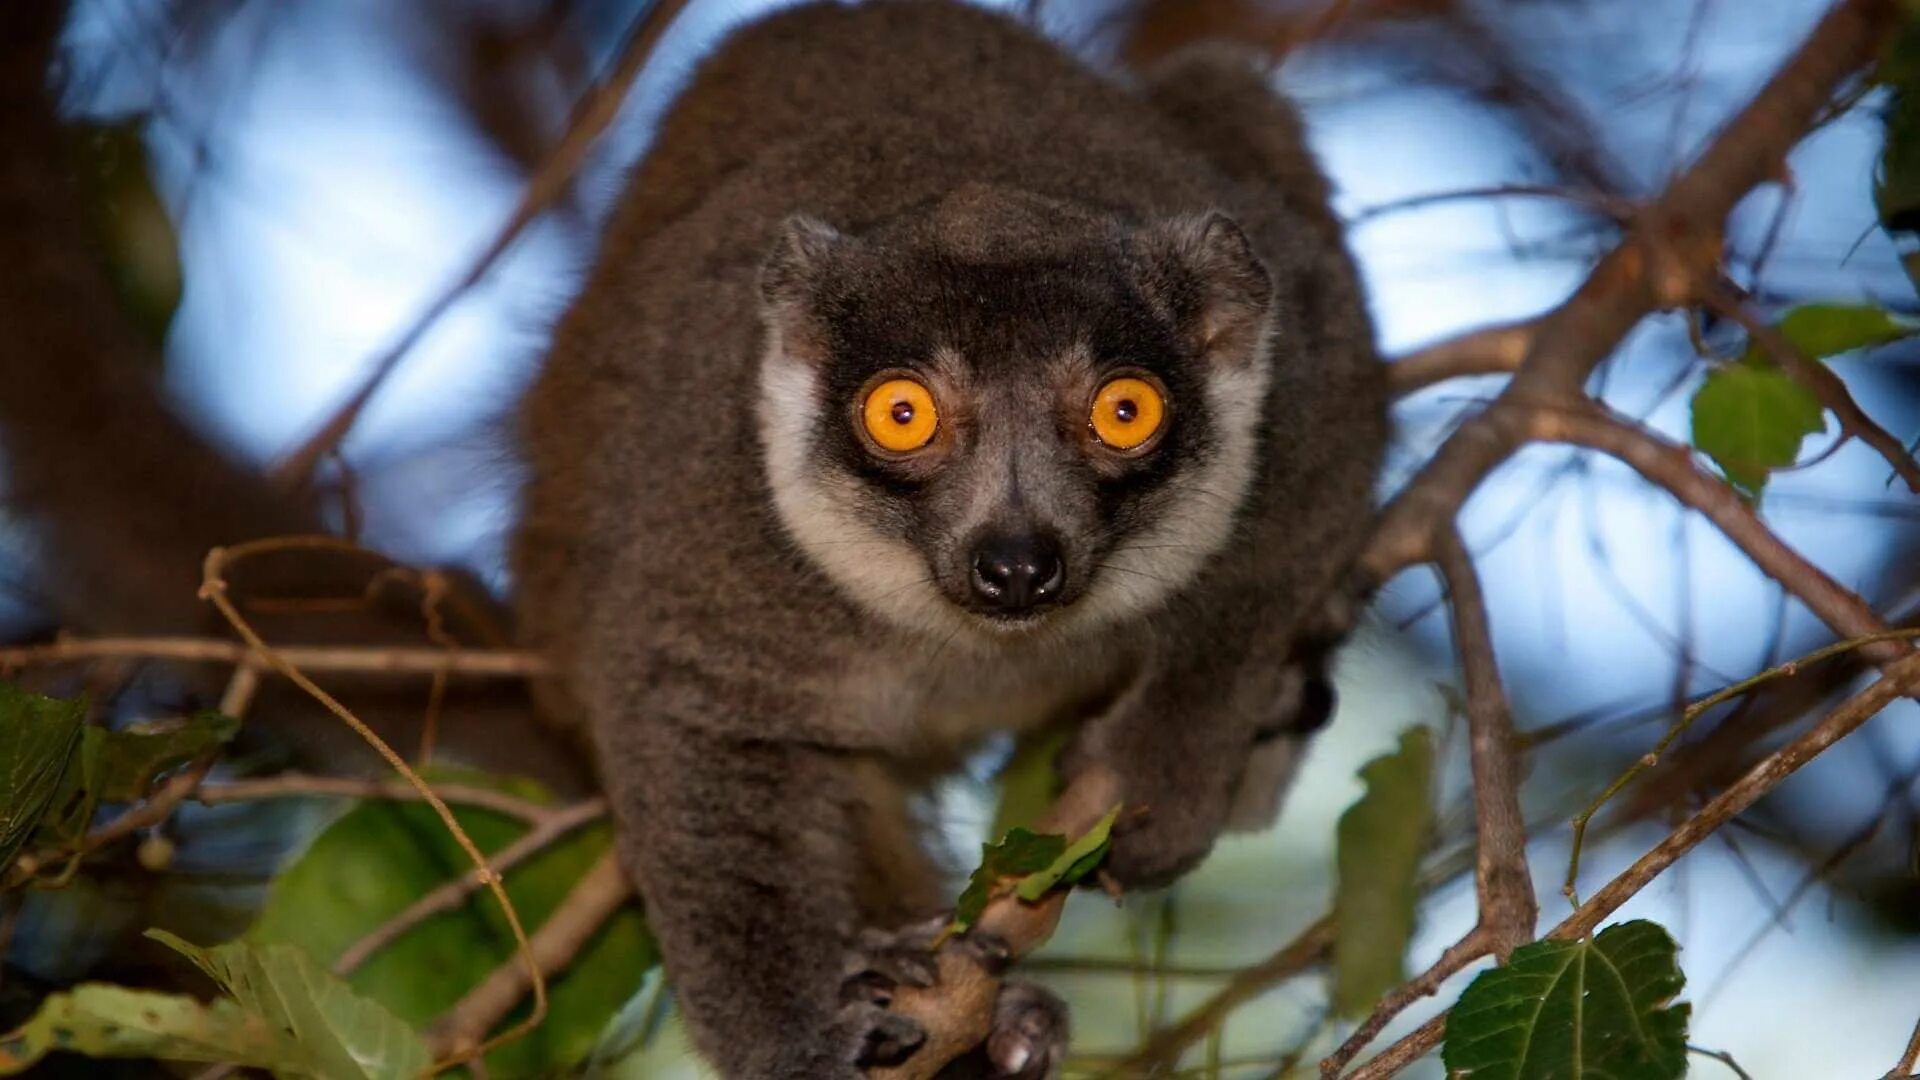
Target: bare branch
x=1670, y=466
x=360, y=659
x=1904, y=1068
x=1673, y=247
x=595, y=897
x=1308, y=949
x=1502, y=886
x=1900, y=679
x=1496, y=350
x=452, y=894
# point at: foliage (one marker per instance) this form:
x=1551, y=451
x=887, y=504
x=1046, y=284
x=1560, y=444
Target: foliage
x=38, y=737
x=1381, y=840
x=1031, y=864
x=59, y=769
x=1751, y=417
x=1575, y=1010
x=283, y=1013
x=379, y=857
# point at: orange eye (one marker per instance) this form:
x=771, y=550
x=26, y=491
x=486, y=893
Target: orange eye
x=900, y=416
x=1126, y=413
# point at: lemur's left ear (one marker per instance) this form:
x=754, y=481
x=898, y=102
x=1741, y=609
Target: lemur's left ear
x=1202, y=271
x=790, y=280
x=804, y=245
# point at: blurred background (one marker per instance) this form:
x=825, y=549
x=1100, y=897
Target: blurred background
x=292, y=184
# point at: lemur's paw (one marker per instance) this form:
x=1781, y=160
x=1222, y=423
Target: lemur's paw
x=881, y=961
x=874, y=1037
x=1030, y=1030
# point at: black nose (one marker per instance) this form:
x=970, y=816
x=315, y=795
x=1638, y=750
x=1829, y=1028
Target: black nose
x=1017, y=573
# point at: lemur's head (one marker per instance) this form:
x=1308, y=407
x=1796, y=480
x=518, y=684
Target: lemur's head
x=1006, y=412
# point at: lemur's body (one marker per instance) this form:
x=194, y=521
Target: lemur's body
x=777, y=629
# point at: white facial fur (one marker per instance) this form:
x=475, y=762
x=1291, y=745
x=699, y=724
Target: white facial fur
x=889, y=577
x=884, y=574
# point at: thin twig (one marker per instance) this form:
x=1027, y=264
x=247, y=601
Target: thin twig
x=1721, y=1056
x=1903, y=1069
x=213, y=588
x=1613, y=206
x=591, y=116
x=451, y=894
x=1900, y=679
x=301, y=785
x=1308, y=949
x=460, y=1035
x=1693, y=712
x=358, y=659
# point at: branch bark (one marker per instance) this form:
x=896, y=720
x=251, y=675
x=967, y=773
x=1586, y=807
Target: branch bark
x=1673, y=247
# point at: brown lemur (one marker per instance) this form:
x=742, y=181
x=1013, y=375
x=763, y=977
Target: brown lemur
x=929, y=384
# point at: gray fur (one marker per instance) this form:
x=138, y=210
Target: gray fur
x=763, y=708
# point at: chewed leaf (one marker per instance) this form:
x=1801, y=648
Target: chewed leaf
x=1076, y=862
x=1021, y=852
x=1575, y=1010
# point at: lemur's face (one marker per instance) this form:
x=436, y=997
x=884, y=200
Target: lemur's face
x=1003, y=414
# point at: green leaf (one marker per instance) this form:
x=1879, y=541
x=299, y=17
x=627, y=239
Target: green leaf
x=285, y=1014
x=119, y=766
x=1076, y=862
x=130, y=223
x=1019, y=853
x=1382, y=838
x=380, y=856
x=1030, y=864
x=131, y=757
x=1752, y=420
x=1574, y=1010
x=1820, y=331
x=38, y=738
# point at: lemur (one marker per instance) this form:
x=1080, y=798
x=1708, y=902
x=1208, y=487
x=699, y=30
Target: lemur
x=929, y=384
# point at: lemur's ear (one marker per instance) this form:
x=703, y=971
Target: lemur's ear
x=1201, y=270
x=788, y=275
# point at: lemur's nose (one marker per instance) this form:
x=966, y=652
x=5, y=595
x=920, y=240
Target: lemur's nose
x=1018, y=573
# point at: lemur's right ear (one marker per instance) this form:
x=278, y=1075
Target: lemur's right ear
x=787, y=277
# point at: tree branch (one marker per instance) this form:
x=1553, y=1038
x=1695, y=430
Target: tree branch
x=1503, y=888
x=1673, y=246
x=360, y=659
x=1496, y=350
x=452, y=894
x=1901, y=678
x=595, y=897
